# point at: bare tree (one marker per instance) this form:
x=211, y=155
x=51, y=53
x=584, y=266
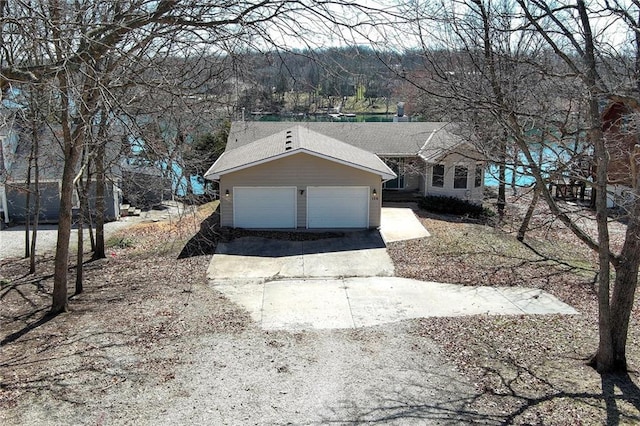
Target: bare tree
x=543, y=74
x=35, y=154
x=85, y=45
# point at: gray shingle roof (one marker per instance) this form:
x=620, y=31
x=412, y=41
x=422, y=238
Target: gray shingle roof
x=384, y=139
x=291, y=139
x=51, y=156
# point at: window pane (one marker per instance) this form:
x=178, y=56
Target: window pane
x=460, y=177
x=479, y=173
x=437, y=176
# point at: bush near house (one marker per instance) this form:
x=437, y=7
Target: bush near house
x=452, y=205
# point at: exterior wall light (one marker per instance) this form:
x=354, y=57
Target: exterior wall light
x=226, y=193
x=374, y=194
x=302, y=192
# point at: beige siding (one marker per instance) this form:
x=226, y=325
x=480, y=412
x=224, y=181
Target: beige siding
x=299, y=170
x=470, y=193
x=411, y=182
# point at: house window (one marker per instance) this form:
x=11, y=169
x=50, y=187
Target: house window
x=437, y=176
x=478, y=178
x=397, y=165
x=460, y=177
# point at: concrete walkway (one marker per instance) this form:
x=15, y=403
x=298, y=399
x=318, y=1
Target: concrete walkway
x=399, y=224
x=361, y=302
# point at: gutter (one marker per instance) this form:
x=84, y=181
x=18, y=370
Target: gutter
x=420, y=154
x=5, y=207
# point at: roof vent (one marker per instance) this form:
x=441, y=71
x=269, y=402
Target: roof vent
x=287, y=148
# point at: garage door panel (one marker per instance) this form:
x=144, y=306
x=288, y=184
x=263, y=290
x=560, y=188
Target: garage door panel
x=338, y=207
x=264, y=207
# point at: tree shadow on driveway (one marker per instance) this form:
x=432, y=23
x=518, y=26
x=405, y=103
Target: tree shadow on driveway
x=319, y=243
x=212, y=239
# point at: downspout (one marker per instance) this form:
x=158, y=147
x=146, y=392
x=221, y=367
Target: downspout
x=5, y=207
x=426, y=162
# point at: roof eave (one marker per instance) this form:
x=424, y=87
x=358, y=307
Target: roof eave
x=397, y=154
x=210, y=175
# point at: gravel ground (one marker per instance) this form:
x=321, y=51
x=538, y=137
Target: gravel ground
x=150, y=342
x=369, y=376
x=375, y=375
x=176, y=351
x=12, y=238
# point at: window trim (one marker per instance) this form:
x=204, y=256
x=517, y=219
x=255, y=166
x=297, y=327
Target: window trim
x=459, y=179
x=479, y=176
x=439, y=182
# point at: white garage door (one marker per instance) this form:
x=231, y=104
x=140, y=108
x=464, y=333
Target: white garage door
x=338, y=207
x=264, y=207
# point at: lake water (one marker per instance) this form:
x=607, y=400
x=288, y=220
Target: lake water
x=522, y=178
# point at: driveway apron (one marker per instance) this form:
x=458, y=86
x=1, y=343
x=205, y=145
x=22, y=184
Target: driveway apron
x=356, y=255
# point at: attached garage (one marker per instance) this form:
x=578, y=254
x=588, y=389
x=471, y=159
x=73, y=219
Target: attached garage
x=338, y=207
x=298, y=178
x=264, y=207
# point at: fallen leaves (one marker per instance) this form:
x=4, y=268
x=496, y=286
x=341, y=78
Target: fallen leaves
x=533, y=365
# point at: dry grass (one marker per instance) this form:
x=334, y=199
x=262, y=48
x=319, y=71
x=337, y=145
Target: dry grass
x=143, y=305
x=532, y=367
x=125, y=329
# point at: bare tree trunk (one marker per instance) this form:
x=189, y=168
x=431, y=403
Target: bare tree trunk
x=489, y=57
x=502, y=187
x=82, y=187
x=27, y=208
x=625, y=286
x=89, y=220
x=36, y=207
x=60, y=303
x=73, y=143
x=99, y=249
x=626, y=281
x=527, y=217
x=187, y=177
x=85, y=206
x=514, y=189
x=80, y=252
x=603, y=360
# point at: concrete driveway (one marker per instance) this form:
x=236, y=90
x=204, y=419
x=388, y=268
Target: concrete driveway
x=360, y=254
x=348, y=282
x=361, y=302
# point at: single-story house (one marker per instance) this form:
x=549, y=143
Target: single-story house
x=331, y=175
x=15, y=151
